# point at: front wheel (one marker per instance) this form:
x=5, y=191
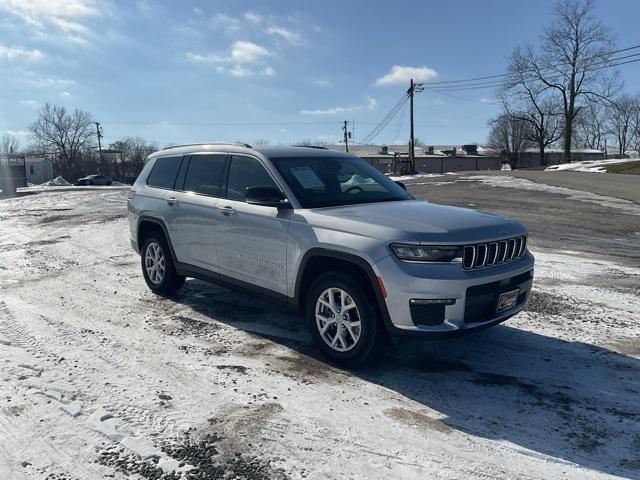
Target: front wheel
x=157, y=266
x=343, y=319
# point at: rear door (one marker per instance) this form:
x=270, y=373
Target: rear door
x=162, y=181
x=252, y=239
x=198, y=189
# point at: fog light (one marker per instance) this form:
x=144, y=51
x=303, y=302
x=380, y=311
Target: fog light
x=432, y=301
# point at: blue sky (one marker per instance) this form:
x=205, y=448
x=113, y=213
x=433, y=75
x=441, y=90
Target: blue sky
x=191, y=70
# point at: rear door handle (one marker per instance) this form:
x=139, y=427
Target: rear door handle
x=227, y=210
x=171, y=201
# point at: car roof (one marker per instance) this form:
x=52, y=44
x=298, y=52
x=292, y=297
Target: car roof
x=272, y=151
x=269, y=151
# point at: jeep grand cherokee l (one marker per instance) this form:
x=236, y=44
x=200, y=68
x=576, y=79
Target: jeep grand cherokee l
x=330, y=234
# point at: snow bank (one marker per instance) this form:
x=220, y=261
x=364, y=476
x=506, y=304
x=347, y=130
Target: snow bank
x=592, y=166
x=56, y=182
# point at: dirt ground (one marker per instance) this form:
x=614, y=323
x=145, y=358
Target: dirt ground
x=102, y=379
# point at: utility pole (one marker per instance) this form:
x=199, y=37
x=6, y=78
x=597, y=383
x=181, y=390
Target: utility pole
x=99, y=143
x=346, y=136
x=412, y=158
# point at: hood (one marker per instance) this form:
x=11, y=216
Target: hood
x=424, y=221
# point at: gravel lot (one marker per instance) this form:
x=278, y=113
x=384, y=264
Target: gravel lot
x=102, y=379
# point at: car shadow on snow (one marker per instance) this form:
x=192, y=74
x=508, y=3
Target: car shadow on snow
x=559, y=400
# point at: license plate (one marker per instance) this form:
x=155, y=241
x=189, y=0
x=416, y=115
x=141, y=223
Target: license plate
x=507, y=300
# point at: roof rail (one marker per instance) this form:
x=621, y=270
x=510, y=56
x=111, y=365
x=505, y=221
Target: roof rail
x=312, y=146
x=235, y=144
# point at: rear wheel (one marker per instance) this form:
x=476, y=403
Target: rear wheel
x=157, y=266
x=343, y=319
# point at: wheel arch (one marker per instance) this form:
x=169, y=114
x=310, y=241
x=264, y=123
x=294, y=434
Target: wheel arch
x=317, y=261
x=147, y=225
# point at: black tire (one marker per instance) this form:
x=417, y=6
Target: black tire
x=370, y=339
x=171, y=281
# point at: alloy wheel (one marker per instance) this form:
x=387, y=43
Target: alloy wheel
x=338, y=319
x=154, y=263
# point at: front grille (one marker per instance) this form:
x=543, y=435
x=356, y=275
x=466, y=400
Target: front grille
x=493, y=253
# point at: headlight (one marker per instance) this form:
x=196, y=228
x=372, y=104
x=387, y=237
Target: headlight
x=426, y=253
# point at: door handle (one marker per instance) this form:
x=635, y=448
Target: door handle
x=171, y=201
x=227, y=210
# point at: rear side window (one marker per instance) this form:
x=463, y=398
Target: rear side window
x=164, y=172
x=205, y=174
x=245, y=172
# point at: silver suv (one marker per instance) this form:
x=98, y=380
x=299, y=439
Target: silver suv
x=328, y=233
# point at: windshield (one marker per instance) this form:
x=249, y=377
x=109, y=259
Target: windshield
x=330, y=181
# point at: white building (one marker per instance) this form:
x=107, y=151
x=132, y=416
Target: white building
x=39, y=169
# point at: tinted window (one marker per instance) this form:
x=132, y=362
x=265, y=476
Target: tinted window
x=205, y=174
x=245, y=172
x=164, y=172
x=327, y=181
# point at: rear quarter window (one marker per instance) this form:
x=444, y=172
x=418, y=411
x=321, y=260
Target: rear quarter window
x=164, y=172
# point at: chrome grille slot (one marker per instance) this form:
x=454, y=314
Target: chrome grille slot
x=493, y=253
x=468, y=256
x=511, y=247
x=481, y=255
x=487, y=254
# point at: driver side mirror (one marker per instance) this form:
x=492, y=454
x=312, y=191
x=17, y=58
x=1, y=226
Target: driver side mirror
x=267, y=196
x=402, y=185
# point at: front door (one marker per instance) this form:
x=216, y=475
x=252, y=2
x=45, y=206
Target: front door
x=252, y=239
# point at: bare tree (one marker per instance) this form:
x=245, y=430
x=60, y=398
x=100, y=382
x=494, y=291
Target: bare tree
x=526, y=98
x=133, y=155
x=9, y=143
x=510, y=137
x=622, y=113
x=64, y=134
x=573, y=60
x=590, y=126
x=308, y=142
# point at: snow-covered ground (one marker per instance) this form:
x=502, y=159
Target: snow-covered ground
x=102, y=379
x=593, y=166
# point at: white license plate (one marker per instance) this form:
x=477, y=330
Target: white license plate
x=507, y=300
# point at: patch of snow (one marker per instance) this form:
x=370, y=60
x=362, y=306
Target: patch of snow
x=74, y=408
x=404, y=178
x=592, y=166
x=56, y=182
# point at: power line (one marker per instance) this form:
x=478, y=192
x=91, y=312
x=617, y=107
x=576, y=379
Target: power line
x=502, y=75
x=383, y=123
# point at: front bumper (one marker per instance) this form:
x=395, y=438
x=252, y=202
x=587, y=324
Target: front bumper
x=473, y=308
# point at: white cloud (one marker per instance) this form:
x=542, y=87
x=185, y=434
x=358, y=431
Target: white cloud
x=370, y=105
x=65, y=15
x=253, y=17
x=50, y=81
x=240, y=52
x=247, y=52
x=322, y=82
x=267, y=72
x=399, y=74
x=30, y=103
x=66, y=95
x=288, y=35
x=20, y=53
x=197, y=11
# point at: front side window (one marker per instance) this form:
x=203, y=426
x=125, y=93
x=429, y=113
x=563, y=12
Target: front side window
x=326, y=181
x=204, y=175
x=164, y=172
x=245, y=172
